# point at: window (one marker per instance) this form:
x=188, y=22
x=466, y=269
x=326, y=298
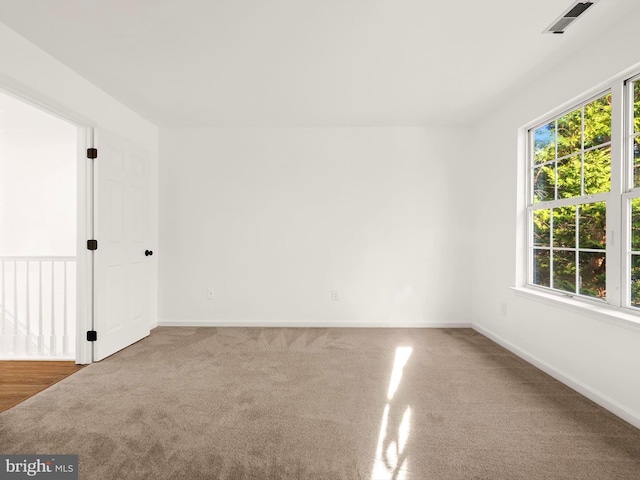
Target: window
x=583, y=200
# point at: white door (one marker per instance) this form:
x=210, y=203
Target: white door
x=122, y=261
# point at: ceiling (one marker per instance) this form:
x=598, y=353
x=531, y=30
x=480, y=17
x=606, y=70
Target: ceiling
x=307, y=62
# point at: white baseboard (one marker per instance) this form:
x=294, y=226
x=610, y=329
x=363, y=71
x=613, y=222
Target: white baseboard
x=601, y=399
x=305, y=324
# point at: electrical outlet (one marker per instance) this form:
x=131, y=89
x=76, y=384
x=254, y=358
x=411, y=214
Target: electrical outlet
x=334, y=295
x=210, y=294
x=503, y=309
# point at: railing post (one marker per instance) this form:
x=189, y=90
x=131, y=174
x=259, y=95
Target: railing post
x=65, y=333
x=15, y=308
x=40, y=315
x=27, y=343
x=52, y=337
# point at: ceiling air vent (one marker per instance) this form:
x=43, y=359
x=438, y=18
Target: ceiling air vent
x=560, y=24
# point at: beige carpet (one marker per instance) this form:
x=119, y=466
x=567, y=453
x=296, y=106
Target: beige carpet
x=334, y=404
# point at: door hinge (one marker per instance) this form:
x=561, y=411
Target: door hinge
x=92, y=336
x=92, y=153
x=92, y=244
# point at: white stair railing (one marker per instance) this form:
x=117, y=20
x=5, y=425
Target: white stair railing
x=37, y=307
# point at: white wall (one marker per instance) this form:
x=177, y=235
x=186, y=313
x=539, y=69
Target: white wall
x=274, y=219
x=28, y=71
x=598, y=358
x=38, y=156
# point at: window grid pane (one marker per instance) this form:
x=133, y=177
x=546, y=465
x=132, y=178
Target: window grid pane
x=636, y=161
x=569, y=177
x=542, y=228
x=542, y=267
x=544, y=183
x=593, y=226
x=593, y=274
x=597, y=170
x=597, y=122
x=569, y=138
x=635, y=280
x=636, y=107
x=564, y=270
x=635, y=224
x=545, y=143
x=564, y=227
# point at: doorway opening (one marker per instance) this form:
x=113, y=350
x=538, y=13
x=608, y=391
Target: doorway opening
x=38, y=233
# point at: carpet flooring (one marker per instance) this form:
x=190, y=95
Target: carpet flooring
x=334, y=404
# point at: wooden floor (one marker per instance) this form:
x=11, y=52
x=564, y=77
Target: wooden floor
x=20, y=380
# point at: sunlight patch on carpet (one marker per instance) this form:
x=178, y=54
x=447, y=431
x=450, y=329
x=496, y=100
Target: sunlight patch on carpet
x=391, y=460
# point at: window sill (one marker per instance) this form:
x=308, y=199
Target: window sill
x=605, y=313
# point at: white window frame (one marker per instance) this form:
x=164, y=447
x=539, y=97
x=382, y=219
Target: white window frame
x=629, y=192
x=618, y=201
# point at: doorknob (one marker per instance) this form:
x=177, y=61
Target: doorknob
x=148, y=252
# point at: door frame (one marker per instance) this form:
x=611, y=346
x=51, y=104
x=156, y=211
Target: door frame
x=84, y=205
